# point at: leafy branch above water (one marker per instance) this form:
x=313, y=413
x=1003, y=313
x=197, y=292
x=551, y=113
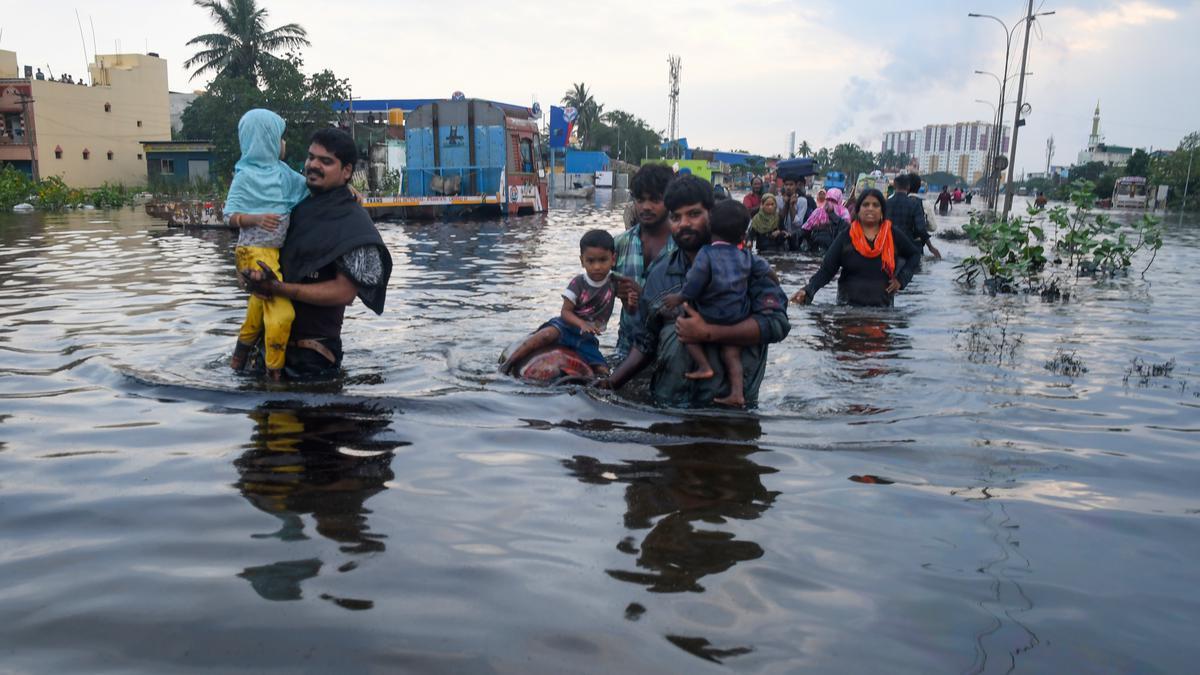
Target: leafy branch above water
x=1019, y=254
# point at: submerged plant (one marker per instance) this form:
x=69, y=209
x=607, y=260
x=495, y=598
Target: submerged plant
x=1014, y=252
x=1065, y=364
x=1142, y=371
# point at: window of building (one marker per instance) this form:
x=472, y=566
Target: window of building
x=86, y=153
x=139, y=123
x=58, y=152
x=166, y=167
x=110, y=155
x=107, y=107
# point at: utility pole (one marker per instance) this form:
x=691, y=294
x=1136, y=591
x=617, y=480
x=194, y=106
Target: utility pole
x=1017, y=121
x=350, y=107
x=676, y=66
x=31, y=135
x=1049, y=154
x=1186, y=183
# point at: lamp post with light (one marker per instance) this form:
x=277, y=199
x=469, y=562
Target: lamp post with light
x=1026, y=20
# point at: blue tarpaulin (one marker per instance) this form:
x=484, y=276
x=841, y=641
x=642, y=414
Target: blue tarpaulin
x=579, y=161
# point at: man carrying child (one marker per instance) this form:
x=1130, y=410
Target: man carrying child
x=662, y=337
x=717, y=286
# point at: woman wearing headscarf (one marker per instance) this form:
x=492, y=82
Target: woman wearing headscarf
x=826, y=221
x=764, y=226
x=874, y=260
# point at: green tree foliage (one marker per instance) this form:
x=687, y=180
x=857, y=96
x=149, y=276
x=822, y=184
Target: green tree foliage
x=890, y=160
x=852, y=160
x=15, y=187
x=823, y=161
x=1138, y=164
x=1100, y=175
x=590, y=113
x=244, y=48
x=302, y=101
x=1172, y=171
x=804, y=149
x=940, y=178
x=633, y=134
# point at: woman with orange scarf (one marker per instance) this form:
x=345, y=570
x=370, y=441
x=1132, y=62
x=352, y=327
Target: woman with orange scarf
x=875, y=260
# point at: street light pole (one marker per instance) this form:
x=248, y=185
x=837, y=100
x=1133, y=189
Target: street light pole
x=987, y=167
x=997, y=136
x=1012, y=155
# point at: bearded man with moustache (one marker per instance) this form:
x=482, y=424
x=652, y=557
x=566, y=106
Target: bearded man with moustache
x=333, y=254
x=661, y=336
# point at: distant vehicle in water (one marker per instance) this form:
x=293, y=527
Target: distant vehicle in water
x=835, y=179
x=1129, y=192
x=468, y=155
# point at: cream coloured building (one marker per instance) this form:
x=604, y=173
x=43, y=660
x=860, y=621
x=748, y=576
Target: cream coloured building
x=86, y=134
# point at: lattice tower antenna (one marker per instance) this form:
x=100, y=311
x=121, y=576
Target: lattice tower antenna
x=673, y=123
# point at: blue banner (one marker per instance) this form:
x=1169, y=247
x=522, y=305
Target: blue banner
x=560, y=128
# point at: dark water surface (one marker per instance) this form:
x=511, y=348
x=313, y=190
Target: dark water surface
x=917, y=492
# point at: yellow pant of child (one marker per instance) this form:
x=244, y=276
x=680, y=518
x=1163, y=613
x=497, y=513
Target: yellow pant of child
x=274, y=316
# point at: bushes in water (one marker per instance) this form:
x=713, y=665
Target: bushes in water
x=1018, y=254
x=53, y=194
x=15, y=187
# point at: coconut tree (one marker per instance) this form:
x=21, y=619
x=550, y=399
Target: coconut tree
x=590, y=111
x=244, y=46
x=805, y=150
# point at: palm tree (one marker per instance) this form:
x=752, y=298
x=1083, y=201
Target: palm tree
x=244, y=46
x=805, y=150
x=590, y=112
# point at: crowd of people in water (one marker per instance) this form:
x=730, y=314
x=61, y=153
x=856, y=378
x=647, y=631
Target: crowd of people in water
x=698, y=302
x=699, y=306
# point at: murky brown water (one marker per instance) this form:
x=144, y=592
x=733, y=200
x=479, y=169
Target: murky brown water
x=917, y=492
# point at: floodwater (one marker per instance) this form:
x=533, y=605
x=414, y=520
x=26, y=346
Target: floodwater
x=917, y=492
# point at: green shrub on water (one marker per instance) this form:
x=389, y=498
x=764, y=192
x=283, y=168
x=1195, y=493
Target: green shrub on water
x=55, y=195
x=109, y=196
x=1018, y=254
x=15, y=187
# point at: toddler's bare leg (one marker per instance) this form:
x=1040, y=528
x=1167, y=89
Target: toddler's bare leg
x=543, y=338
x=731, y=356
x=701, y=368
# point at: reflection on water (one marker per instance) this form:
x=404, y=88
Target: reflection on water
x=675, y=506
x=692, y=483
x=320, y=462
x=866, y=342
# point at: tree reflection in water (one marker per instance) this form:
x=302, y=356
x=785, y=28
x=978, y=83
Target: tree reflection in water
x=681, y=499
x=325, y=462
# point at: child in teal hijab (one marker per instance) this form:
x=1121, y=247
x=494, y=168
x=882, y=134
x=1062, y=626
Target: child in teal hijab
x=263, y=193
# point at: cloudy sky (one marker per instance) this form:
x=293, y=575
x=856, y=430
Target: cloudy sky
x=752, y=71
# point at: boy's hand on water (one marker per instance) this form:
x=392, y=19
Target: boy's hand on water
x=893, y=286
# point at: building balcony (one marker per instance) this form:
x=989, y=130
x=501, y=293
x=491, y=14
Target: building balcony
x=11, y=151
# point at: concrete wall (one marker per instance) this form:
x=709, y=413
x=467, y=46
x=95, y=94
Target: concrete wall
x=73, y=117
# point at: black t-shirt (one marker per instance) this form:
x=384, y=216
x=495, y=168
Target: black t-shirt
x=862, y=280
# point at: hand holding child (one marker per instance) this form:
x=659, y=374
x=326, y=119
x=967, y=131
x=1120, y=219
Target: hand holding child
x=268, y=221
